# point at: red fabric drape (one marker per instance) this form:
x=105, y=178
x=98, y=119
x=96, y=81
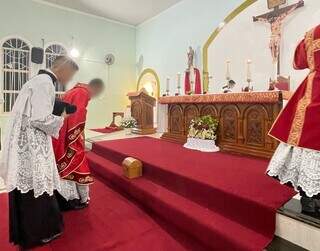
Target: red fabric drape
x=296, y=124
x=187, y=85
x=69, y=148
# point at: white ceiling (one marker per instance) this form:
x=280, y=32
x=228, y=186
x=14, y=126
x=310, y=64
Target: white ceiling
x=132, y=12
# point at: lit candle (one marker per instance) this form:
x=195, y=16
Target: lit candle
x=228, y=75
x=249, y=70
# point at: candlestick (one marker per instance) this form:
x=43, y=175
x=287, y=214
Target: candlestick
x=178, y=83
x=168, y=86
x=210, y=87
x=249, y=70
x=275, y=69
x=228, y=75
x=192, y=77
x=248, y=88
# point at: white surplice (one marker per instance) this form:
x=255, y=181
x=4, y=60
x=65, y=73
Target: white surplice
x=28, y=161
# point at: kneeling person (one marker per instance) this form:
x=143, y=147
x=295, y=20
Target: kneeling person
x=69, y=148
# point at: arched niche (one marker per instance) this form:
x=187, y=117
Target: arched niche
x=149, y=80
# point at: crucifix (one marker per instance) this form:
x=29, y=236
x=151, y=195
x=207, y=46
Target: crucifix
x=275, y=18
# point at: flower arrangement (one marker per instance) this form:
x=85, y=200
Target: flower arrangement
x=128, y=122
x=204, y=127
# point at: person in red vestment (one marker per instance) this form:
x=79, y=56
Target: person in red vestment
x=297, y=158
x=69, y=148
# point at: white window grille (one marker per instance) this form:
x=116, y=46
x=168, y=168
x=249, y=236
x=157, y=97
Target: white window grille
x=51, y=53
x=15, y=69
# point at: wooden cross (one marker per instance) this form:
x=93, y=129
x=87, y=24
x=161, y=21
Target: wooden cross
x=275, y=19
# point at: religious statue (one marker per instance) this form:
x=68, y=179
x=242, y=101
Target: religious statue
x=275, y=19
x=192, y=76
x=190, y=58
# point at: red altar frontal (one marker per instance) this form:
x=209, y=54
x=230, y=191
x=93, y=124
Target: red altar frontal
x=244, y=119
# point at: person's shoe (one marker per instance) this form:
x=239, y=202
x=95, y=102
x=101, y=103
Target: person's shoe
x=310, y=207
x=81, y=206
x=47, y=240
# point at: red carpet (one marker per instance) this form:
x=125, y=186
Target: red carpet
x=224, y=201
x=111, y=222
x=107, y=129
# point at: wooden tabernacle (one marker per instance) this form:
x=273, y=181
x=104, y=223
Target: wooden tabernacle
x=244, y=119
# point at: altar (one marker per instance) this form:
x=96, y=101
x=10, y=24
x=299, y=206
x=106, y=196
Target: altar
x=244, y=119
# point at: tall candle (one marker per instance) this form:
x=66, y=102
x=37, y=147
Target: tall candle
x=210, y=87
x=192, y=77
x=168, y=84
x=228, y=75
x=249, y=77
x=275, y=65
x=178, y=80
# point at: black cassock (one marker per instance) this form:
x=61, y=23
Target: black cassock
x=33, y=220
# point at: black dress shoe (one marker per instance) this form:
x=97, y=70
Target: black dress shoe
x=80, y=206
x=310, y=207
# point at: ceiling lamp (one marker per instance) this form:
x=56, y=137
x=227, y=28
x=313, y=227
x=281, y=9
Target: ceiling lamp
x=74, y=52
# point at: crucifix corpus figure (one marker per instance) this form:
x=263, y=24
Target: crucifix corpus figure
x=275, y=19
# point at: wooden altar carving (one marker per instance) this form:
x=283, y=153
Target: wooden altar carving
x=244, y=119
x=142, y=110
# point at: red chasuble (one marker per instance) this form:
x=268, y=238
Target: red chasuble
x=298, y=123
x=187, y=82
x=70, y=147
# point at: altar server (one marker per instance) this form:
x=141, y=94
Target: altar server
x=28, y=164
x=69, y=148
x=297, y=159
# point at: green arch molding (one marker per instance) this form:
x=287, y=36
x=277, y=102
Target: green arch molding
x=212, y=37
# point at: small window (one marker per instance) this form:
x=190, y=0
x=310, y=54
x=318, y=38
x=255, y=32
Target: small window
x=16, y=69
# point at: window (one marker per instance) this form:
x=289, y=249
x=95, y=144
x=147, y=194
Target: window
x=51, y=52
x=15, y=68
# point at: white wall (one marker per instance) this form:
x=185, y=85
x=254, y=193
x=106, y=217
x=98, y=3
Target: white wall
x=94, y=38
x=243, y=39
x=164, y=40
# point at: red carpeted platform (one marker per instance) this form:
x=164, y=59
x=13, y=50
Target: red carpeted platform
x=224, y=201
x=111, y=222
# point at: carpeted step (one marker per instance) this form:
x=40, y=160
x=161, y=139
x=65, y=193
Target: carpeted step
x=212, y=229
x=163, y=165
x=110, y=223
